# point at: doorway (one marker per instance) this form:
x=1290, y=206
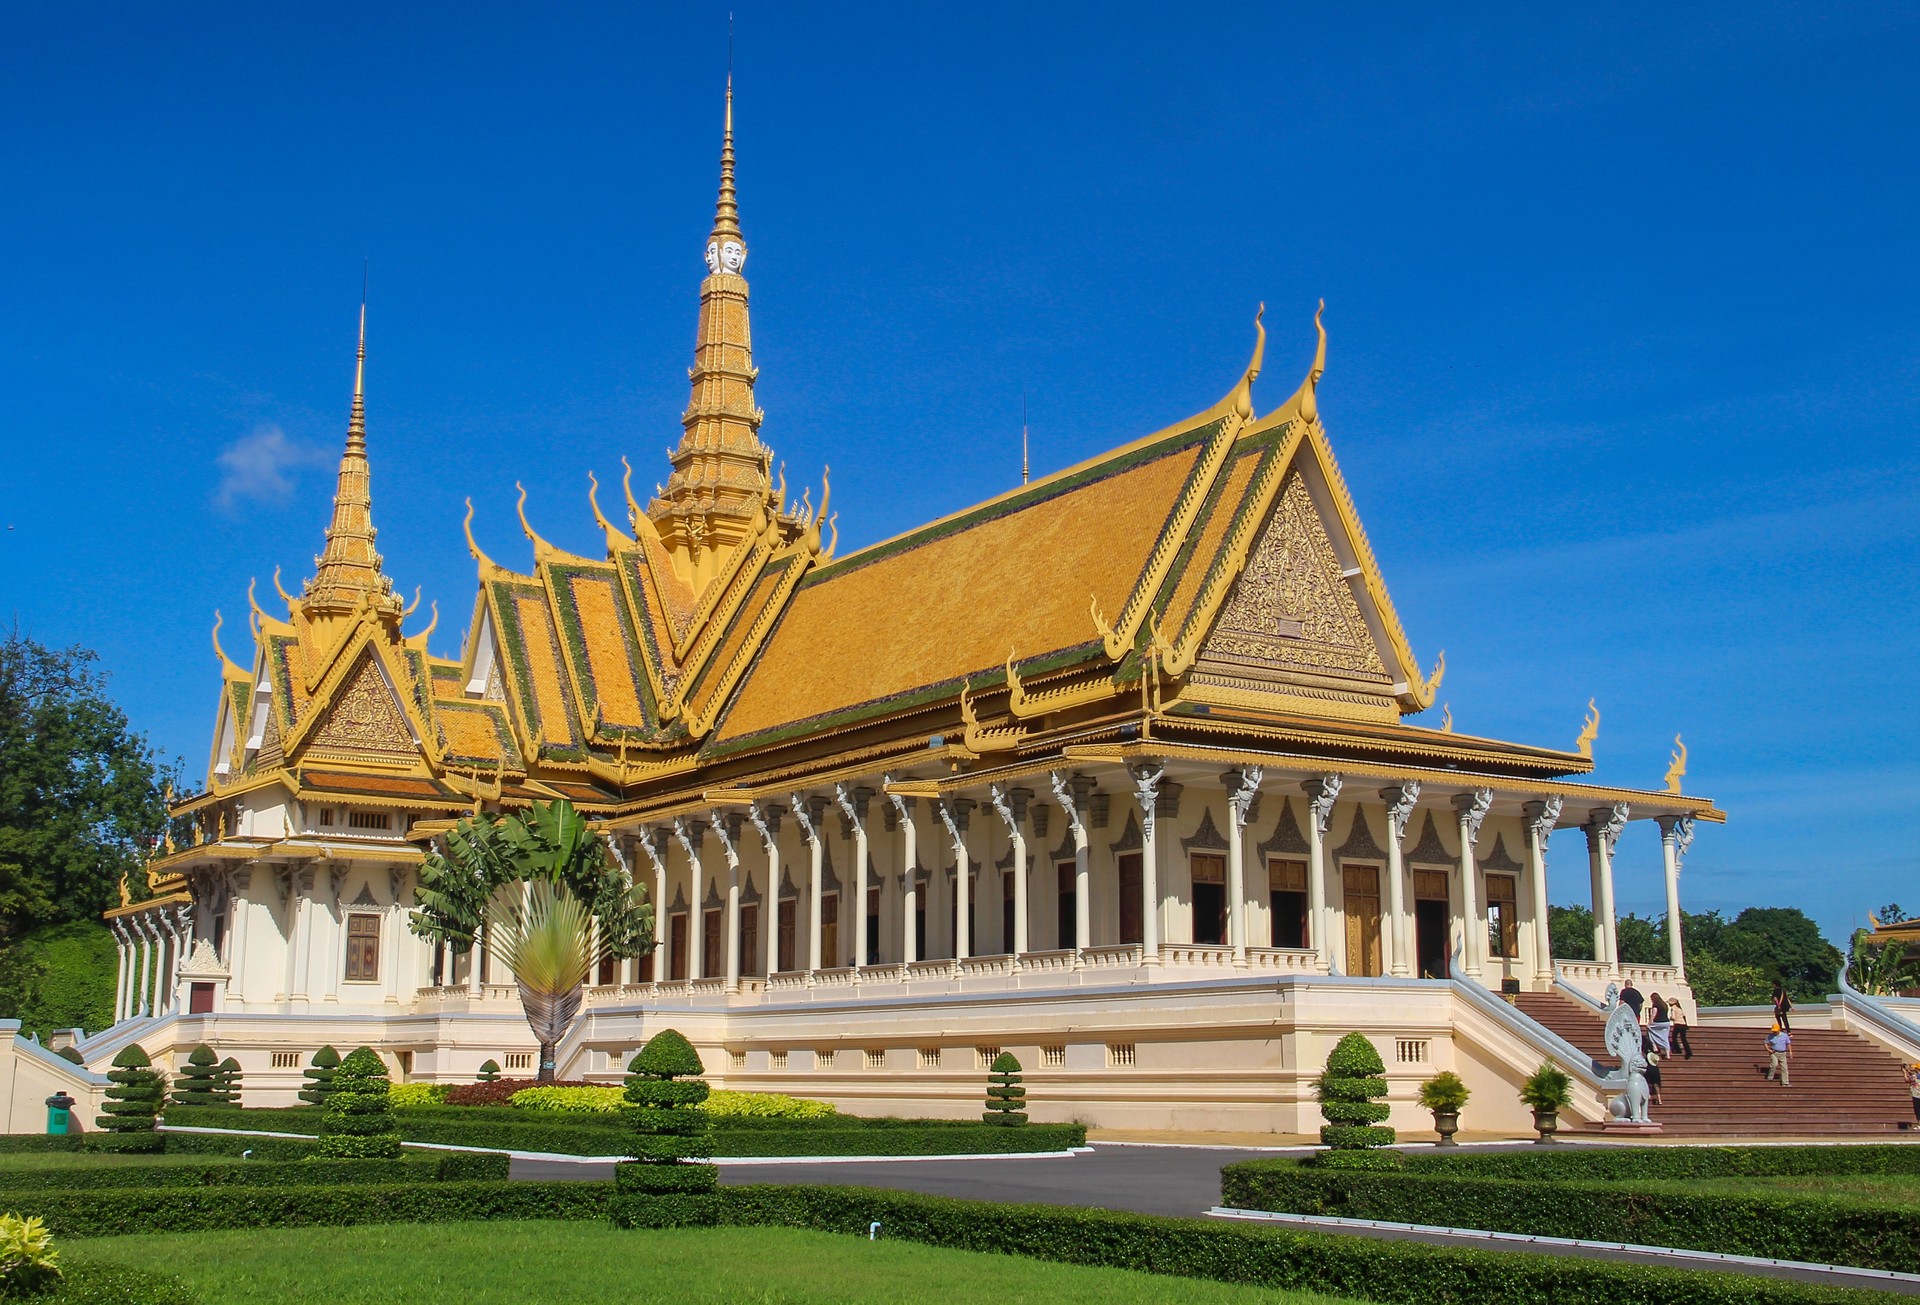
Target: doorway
x=1430, y=923
x=1132, y=907
x=1362, y=905
x=1068, y=933
x=1209, y=898
x=1287, y=903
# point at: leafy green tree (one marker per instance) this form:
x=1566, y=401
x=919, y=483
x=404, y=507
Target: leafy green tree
x=581, y=906
x=1642, y=941
x=135, y=1093
x=672, y=1135
x=226, y=1083
x=61, y=976
x=1006, y=1099
x=1351, y=1090
x=1719, y=983
x=1570, y=928
x=81, y=794
x=197, y=1082
x=357, y=1121
x=1782, y=941
x=319, y=1076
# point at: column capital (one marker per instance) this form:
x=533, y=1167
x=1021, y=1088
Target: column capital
x=1603, y=827
x=803, y=813
x=1542, y=816
x=1473, y=807
x=1243, y=793
x=726, y=828
x=1071, y=795
x=1677, y=830
x=1400, y=800
x=766, y=822
x=1322, y=791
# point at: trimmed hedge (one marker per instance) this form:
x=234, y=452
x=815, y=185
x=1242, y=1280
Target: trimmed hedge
x=1817, y=1229
x=448, y=1166
x=357, y=1121
x=83, y=1282
x=1362, y=1267
x=40, y=1142
x=1612, y=1162
x=567, y=1134
x=201, y=1209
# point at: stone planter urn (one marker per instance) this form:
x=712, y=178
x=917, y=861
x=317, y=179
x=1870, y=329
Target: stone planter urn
x=1446, y=1123
x=1546, y=1123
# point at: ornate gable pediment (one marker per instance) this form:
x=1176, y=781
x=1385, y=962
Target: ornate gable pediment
x=1293, y=608
x=364, y=716
x=1430, y=850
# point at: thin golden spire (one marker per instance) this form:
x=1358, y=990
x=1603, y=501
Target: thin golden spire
x=347, y=572
x=726, y=210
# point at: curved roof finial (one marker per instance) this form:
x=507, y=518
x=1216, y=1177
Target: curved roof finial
x=1309, y=404
x=1243, y=392
x=433, y=621
x=256, y=619
x=473, y=546
x=626, y=484
x=607, y=527
x=278, y=588
x=227, y=663
x=414, y=606
x=539, y=545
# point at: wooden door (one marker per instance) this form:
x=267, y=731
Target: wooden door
x=1131, y=906
x=677, y=942
x=830, y=957
x=1362, y=884
x=784, y=939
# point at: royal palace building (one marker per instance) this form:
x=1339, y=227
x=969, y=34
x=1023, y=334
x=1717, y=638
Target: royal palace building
x=1116, y=770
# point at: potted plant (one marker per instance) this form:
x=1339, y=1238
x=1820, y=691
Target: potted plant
x=1548, y=1091
x=1444, y=1094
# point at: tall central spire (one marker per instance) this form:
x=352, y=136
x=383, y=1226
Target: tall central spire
x=719, y=487
x=348, y=569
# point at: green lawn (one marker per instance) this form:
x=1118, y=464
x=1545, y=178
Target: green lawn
x=17, y=1160
x=1881, y=1189
x=558, y=1263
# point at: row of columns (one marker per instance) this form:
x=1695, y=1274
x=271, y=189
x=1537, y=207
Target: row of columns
x=150, y=945
x=1071, y=792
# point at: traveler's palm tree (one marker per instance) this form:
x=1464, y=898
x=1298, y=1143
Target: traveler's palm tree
x=576, y=904
x=548, y=944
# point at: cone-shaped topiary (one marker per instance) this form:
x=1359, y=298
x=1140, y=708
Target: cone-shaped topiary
x=669, y=1124
x=1006, y=1099
x=226, y=1083
x=195, y=1084
x=1350, y=1091
x=358, y=1122
x=489, y=1071
x=134, y=1094
x=319, y=1076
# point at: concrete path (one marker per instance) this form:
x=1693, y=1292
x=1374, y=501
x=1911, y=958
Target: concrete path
x=1185, y=1180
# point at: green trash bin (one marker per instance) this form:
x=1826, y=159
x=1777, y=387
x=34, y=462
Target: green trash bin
x=59, y=1114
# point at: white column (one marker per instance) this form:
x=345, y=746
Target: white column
x=954, y=816
x=766, y=822
x=1243, y=785
x=1473, y=808
x=1321, y=791
x=909, y=889
x=1603, y=831
x=1071, y=795
x=182, y=941
x=652, y=849
x=1676, y=836
x=812, y=835
x=1400, y=801
x=300, y=934
x=687, y=834
x=1541, y=818
x=853, y=805
x=121, y=953
x=732, y=926
x=1146, y=788
x=155, y=989
x=1004, y=804
x=141, y=988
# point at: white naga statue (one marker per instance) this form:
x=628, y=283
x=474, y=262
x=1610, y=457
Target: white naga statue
x=1623, y=1040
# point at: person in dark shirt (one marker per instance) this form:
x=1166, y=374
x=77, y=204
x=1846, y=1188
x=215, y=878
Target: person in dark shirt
x=1630, y=998
x=1782, y=1005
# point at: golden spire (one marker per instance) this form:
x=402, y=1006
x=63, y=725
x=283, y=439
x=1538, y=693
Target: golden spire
x=348, y=570
x=719, y=487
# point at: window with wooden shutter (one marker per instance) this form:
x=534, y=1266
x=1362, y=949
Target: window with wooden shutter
x=363, y=948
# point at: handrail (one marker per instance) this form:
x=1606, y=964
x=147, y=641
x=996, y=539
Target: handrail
x=52, y=1060
x=1877, y=1012
x=1577, y=1062
x=1580, y=995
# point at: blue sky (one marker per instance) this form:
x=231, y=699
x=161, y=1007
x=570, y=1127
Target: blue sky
x=1623, y=314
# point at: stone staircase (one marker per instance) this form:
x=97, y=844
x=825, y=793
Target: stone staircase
x=1842, y=1084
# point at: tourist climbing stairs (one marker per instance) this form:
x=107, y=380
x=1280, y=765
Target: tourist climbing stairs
x=1841, y=1082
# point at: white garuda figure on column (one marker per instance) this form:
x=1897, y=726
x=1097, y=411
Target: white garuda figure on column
x=1623, y=1040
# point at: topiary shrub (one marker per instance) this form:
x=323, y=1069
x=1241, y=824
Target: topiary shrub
x=198, y=1082
x=412, y=1096
x=226, y=1083
x=358, y=1123
x=71, y=1054
x=135, y=1092
x=1349, y=1090
x=489, y=1071
x=669, y=1125
x=1006, y=1099
x=319, y=1076
x=28, y=1261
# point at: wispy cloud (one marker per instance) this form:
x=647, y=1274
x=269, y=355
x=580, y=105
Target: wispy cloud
x=261, y=467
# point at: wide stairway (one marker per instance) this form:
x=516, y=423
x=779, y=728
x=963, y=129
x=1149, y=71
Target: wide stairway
x=1841, y=1082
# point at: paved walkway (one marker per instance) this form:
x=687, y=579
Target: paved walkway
x=1181, y=1180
